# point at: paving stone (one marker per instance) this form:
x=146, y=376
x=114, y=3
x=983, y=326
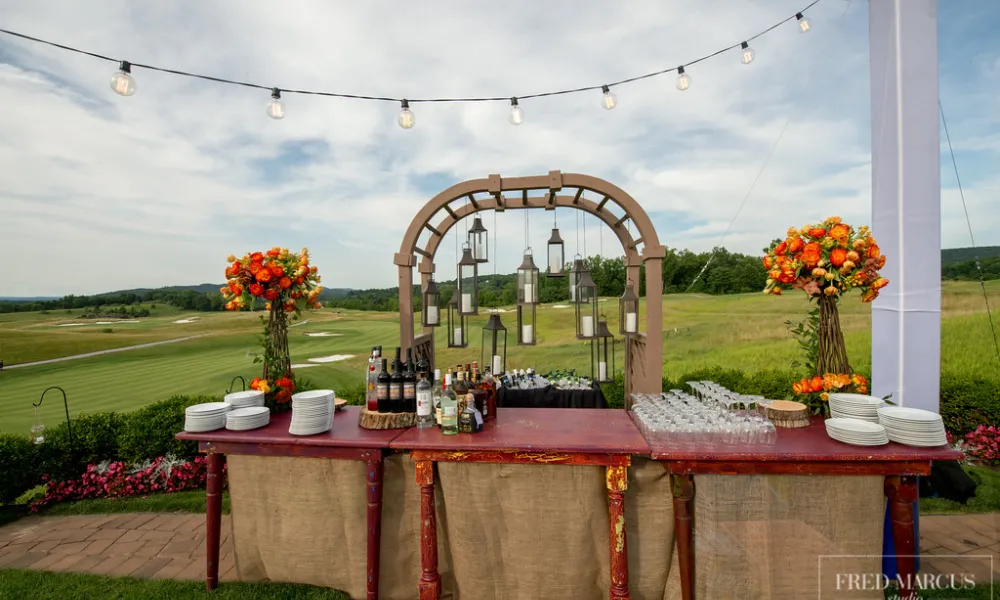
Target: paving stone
x=151, y=548
x=125, y=567
x=176, y=549
x=71, y=548
x=66, y=562
x=120, y=548
x=195, y=570
x=140, y=519
x=47, y=562
x=155, y=522
x=105, y=564
x=149, y=569
x=46, y=546
x=153, y=534
x=98, y=546
x=86, y=564
x=132, y=535
x=107, y=534
x=173, y=568
x=23, y=561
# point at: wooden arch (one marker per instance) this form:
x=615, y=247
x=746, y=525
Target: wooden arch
x=644, y=350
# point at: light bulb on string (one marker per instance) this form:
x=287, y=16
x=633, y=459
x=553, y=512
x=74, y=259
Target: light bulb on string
x=406, y=118
x=804, y=24
x=275, y=109
x=122, y=82
x=516, y=113
x=609, y=100
x=683, y=79
x=748, y=53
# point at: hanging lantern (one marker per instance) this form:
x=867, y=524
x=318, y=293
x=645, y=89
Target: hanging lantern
x=628, y=311
x=574, y=278
x=430, y=303
x=457, y=336
x=586, y=307
x=557, y=259
x=603, y=356
x=494, y=342
x=468, y=283
x=479, y=239
x=527, y=280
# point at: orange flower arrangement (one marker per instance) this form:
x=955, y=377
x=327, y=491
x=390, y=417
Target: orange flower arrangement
x=817, y=387
x=828, y=258
x=277, y=275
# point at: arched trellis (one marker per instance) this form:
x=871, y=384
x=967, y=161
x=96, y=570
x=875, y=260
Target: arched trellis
x=616, y=209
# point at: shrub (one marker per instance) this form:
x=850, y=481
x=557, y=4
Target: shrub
x=95, y=438
x=149, y=432
x=983, y=445
x=968, y=403
x=18, y=466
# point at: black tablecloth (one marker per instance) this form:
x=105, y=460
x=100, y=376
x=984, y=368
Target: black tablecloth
x=550, y=397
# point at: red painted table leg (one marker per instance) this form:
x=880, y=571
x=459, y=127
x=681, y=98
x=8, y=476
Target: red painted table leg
x=902, y=493
x=374, y=518
x=617, y=479
x=430, y=580
x=683, y=488
x=213, y=513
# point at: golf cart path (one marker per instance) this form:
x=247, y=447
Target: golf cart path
x=100, y=352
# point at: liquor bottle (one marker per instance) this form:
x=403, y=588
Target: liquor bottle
x=449, y=409
x=424, y=366
x=437, y=396
x=490, y=385
x=425, y=402
x=466, y=418
x=382, y=389
x=409, y=385
x=371, y=375
x=396, y=385
x=461, y=388
x=478, y=391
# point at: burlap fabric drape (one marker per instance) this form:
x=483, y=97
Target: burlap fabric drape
x=534, y=532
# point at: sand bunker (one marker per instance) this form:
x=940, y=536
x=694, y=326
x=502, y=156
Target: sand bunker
x=188, y=320
x=324, y=334
x=560, y=306
x=303, y=366
x=96, y=323
x=331, y=358
x=298, y=324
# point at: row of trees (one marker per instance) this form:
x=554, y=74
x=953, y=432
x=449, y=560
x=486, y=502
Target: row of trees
x=184, y=299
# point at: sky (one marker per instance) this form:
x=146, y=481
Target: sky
x=100, y=192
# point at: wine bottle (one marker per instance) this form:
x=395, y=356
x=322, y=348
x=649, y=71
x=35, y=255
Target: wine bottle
x=382, y=389
x=409, y=385
x=396, y=385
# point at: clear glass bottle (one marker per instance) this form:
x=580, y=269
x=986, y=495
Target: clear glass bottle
x=437, y=396
x=425, y=402
x=449, y=409
x=467, y=418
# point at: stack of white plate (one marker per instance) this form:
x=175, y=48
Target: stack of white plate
x=249, y=417
x=247, y=398
x=206, y=417
x=856, y=432
x=913, y=426
x=312, y=412
x=855, y=406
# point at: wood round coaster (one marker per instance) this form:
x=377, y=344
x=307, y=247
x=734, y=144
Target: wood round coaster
x=787, y=414
x=376, y=420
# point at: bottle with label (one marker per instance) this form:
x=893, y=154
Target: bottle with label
x=490, y=385
x=396, y=385
x=449, y=410
x=423, y=366
x=409, y=385
x=437, y=397
x=470, y=420
x=425, y=402
x=461, y=388
x=371, y=381
x=382, y=389
x=477, y=390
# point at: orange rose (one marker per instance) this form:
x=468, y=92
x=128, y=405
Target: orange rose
x=853, y=256
x=273, y=252
x=825, y=397
x=880, y=262
x=256, y=289
x=256, y=257
x=780, y=248
x=816, y=384
x=264, y=275
x=776, y=291
x=270, y=295
x=869, y=295
x=873, y=251
x=768, y=262
x=313, y=270
x=797, y=387
x=299, y=281
x=840, y=233
x=880, y=283
x=296, y=294
x=838, y=256
x=817, y=233
x=285, y=283
x=812, y=253
x=290, y=307
x=277, y=271
x=795, y=244
x=255, y=268
x=231, y=305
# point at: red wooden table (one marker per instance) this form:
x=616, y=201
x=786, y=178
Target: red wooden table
x=803, y=451
x=530, y=436
x=345, y=441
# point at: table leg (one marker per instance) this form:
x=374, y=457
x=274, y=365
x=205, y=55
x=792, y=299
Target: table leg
x=213, y=512
x=374, y=518
x=902, y=493
x=617, y=481
x=430, y=580
x=683, y=488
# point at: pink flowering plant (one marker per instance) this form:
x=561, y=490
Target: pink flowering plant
x=982, y=446
x=117, y=480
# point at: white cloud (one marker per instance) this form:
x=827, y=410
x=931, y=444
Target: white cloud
x=158, y=188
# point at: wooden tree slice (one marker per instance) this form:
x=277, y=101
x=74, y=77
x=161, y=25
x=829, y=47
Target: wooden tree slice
x=376, y=420
x=790, y=415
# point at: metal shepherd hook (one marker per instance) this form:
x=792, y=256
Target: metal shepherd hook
x=69, y=425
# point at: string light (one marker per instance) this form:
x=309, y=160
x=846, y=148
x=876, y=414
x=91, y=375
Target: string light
x=609, y=100
x=406, y=118
x=122, y=82
x=804, y=24
x=275, y=109
x=683, y=79
x=516, y=113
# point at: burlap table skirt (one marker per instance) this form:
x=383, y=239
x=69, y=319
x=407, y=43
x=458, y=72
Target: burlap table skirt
x=535, y=532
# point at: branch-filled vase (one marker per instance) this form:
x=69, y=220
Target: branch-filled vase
x=832, y=349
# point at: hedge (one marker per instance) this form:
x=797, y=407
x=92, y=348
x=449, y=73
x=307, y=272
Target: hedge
x=18, y=465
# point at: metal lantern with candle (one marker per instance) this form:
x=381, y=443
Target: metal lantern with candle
x=628, y=311
x=457, y=336
x=495, y=345
x=431, y=301
x=603, y=355
x=575, y=274
x=479, y=239
x=557, y=257
x=586, y=307
x=468, y=283
x=527, y=298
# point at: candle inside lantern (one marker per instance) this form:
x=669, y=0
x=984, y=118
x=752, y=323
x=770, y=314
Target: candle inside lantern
x=466, y=303
x=432, y=315
x=527, y=333
x=529, y=293
x=587, y=326
x=458, y=336
x=602, y=371
x=572, y=293
x=497, y=363
x=630, y=322
x=554, y=266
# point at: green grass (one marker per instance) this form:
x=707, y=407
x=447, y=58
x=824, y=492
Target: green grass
x=744, y=331
x=191, y=502
x=987, y=497
x=41, y=585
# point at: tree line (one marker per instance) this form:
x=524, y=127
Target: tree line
x=183, y=299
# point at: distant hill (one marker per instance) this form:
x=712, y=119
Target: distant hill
x=206, y=288
x=27, y=299
x=957, y=255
